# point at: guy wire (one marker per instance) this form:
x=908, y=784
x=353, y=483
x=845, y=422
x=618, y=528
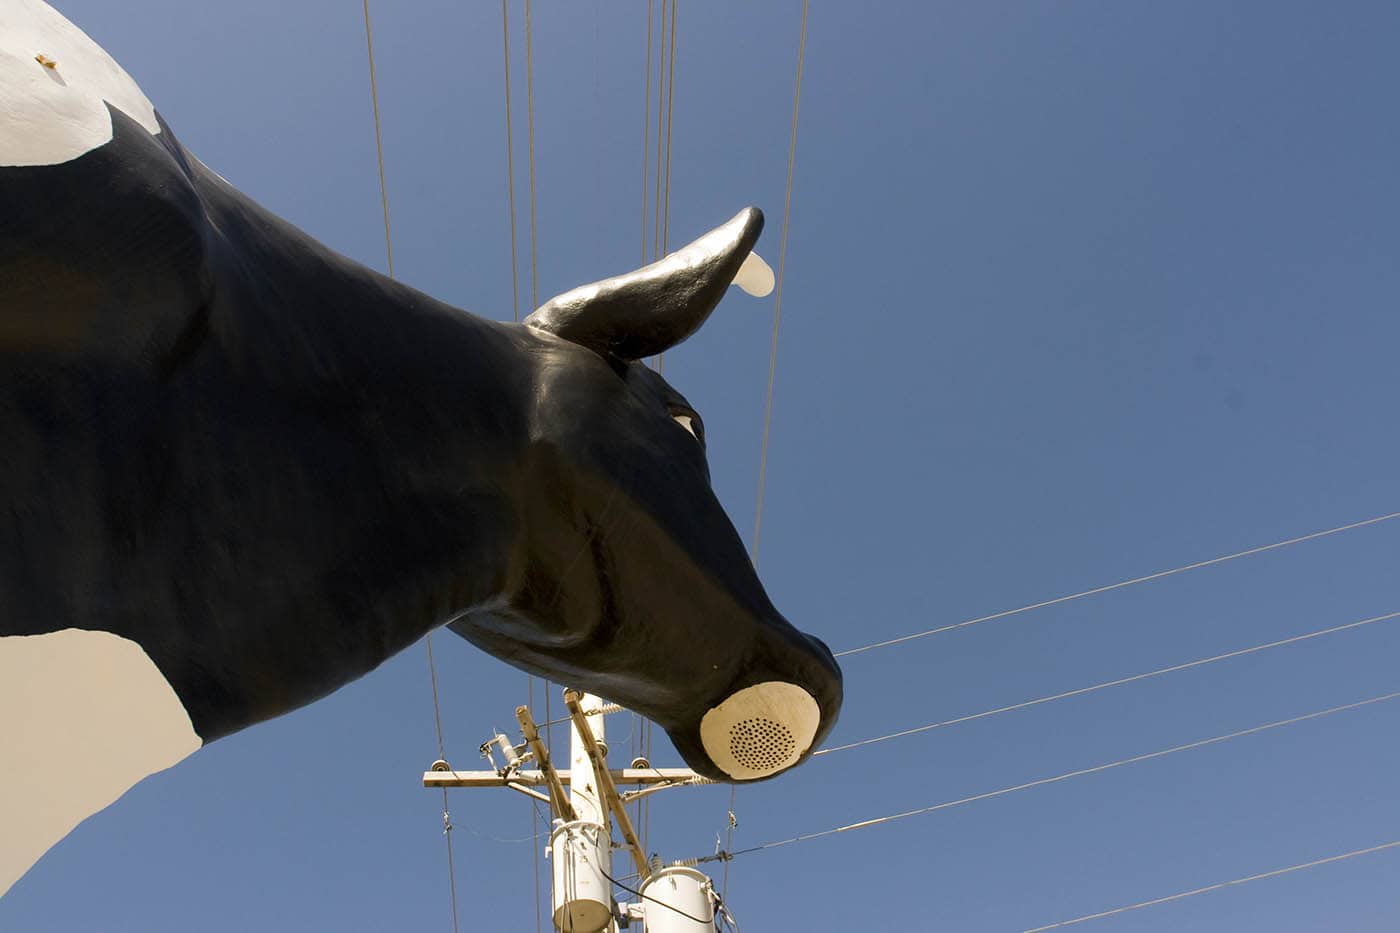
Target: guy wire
x=389, y=255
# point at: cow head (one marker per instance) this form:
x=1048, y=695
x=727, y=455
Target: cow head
x=627, y=579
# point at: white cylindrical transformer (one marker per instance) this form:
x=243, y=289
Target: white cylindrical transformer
x=678, y=900
x=582, y=892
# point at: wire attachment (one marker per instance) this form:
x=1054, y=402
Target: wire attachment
x=720, y=855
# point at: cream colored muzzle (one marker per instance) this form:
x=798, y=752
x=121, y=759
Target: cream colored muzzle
x=760, y=730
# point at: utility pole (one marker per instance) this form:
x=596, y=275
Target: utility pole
x=581, y=849
x=671, y=899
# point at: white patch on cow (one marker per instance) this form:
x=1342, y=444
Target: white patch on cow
x=755, y=276
x=83, y=716
x=53, y=84
x=685, y=422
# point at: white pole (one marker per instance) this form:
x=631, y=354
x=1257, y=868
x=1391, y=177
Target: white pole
x=583, y=785
x=582, y=850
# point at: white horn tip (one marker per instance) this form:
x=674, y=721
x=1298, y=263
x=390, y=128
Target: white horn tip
x=755, y=276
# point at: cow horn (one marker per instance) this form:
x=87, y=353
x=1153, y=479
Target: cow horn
x=656, y=307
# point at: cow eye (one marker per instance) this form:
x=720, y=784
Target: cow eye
x=691, y=422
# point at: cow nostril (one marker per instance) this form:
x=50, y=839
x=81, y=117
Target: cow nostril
x=760, y=730
x=761, y=744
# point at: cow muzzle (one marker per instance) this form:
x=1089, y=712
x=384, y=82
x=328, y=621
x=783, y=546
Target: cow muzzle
x=760, y=730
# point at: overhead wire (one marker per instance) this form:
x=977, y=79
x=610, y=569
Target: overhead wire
x=1354, y=853
x=510, y=167
x=515, y=315
x=530, y=115
x=732, y=822
x=1041, y=782
x=516, y=840
x=670, y=122
x=389, y=256
x=1116, y=586
x=534, y=303
x=379, y=142
x=666, y=89
x=442, y=755
x=646, y=135
x=1199, y=662
x=660, y=111
x=778, y=294
x=534, y=255
x=665, y=217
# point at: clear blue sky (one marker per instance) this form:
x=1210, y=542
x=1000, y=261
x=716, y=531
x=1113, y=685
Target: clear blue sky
x=1076, y=292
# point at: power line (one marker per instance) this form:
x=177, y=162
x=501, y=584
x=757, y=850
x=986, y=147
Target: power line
x=1111, y=683
x=660, y=111
x=663, y=93
x=1114, y=586
x=530, y=117
x=389, y=253
x=1216, y=887
x=378, y=141
x=534, y=303
x=510, y=167
x=731, y=822
x=1202, y=743
x=646, y=135
x=442, y=755
x=670, y=122
x=778, y=297
x=515, y=315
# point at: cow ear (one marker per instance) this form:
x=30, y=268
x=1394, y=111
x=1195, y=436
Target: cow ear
x=654, y=308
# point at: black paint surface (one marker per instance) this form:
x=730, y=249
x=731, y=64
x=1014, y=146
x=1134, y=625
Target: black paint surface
x=273, y=467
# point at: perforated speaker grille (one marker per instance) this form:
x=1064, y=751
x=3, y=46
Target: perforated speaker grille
x=760, y=730
x=760, y=744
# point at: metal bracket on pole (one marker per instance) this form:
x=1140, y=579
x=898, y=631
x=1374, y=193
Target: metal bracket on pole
x=572, y=700
x=558, y=799
x=522, y=789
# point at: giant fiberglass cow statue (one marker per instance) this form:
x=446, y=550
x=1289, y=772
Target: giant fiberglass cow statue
x=238, y=470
